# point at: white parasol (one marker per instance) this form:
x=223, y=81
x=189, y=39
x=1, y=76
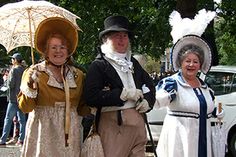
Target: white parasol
x=18, y=22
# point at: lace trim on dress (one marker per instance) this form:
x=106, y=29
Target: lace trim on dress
x=69, y=77
x=49, y=132
x=31, y=93
x=52, y=81
x=178, y=76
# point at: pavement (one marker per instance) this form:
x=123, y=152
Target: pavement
x=10, y=151
x=14, y=151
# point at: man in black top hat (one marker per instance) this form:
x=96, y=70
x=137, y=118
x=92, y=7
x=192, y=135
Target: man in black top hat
x=121, y=90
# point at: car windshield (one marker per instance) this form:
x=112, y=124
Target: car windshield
x=221, y=82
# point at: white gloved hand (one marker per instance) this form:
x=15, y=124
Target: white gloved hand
x=131, y=94
x=143, y=106
x=221, y=114
x=33, y=77
x=145, y=89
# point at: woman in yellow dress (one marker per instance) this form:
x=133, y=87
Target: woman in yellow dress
x=51, y=92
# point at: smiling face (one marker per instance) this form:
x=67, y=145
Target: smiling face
x=57, y=50
x=190, y=65
x=119, y=41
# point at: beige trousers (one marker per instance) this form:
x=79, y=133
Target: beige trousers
x=126, y=140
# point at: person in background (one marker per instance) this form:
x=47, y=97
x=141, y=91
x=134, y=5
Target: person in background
x=1, y=77
x=13, y=87
x=121, y=90
x=16, y=124
x=16, y=131
x=51, y=92
x=5, y=75
x=189, y=101
x=3, y=85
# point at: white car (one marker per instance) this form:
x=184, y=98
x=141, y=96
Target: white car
x=222, y=79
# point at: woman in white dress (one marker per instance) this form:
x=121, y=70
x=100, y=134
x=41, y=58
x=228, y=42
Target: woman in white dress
x=190, y=102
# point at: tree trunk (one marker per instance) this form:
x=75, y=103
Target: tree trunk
x=187, y=8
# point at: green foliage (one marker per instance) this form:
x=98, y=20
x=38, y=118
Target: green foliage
x=148, y=18
x=150, y=25
x=226, y=42
x=152, y=65
x=226, y=33
x=4, y=59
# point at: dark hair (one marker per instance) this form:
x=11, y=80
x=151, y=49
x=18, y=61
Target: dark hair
x=190, y=48
x=105, y=36
x=4, y=70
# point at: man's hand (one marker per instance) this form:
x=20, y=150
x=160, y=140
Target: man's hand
x=131, y=94
x=143, y=106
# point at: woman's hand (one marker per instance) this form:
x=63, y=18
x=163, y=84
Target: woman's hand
x=33, y=77
x=220, y=115
x=170, y=86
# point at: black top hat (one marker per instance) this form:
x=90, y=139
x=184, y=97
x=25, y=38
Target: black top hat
x=115, y=24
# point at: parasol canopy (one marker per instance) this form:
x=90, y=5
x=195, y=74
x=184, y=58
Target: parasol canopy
x=19, y=21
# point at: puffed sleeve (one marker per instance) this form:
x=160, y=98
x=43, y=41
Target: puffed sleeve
x=26, y=97
x=165, y=92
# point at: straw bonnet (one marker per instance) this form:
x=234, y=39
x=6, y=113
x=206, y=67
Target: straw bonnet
x=115, y=24
x=197, y=41
x=56, y=25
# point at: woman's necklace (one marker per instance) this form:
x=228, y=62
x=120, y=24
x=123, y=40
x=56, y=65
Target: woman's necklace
x=194, y=83
x=56, y=73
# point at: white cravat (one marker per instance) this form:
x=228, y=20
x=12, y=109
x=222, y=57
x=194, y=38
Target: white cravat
x=124, y=68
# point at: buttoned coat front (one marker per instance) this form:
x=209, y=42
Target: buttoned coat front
x=102, y=75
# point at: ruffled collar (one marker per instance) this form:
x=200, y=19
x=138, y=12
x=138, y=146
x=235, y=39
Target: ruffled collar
x=52, y=81
x=179, y=77
x=120, y=61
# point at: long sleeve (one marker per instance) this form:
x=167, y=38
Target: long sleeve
x=27, y=96
x=165, y=92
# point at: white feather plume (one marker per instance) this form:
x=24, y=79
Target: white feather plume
x=185, y=26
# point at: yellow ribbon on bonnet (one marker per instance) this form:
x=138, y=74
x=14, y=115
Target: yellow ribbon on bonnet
x=67, y=116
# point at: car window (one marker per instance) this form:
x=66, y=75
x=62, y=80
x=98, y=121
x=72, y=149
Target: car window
x=221, y=82
x=234, y=83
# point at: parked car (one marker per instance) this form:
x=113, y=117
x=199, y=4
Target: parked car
x=222, y=79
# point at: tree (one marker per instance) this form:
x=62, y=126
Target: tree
x=149, y=20
x=188, y=9
x=226, y=33
x=4, y=59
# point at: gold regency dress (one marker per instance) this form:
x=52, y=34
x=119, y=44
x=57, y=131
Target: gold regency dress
x=45, y=128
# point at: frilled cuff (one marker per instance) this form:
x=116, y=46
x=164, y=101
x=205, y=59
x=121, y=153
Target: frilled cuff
x=162, y=98
x=29, y=92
